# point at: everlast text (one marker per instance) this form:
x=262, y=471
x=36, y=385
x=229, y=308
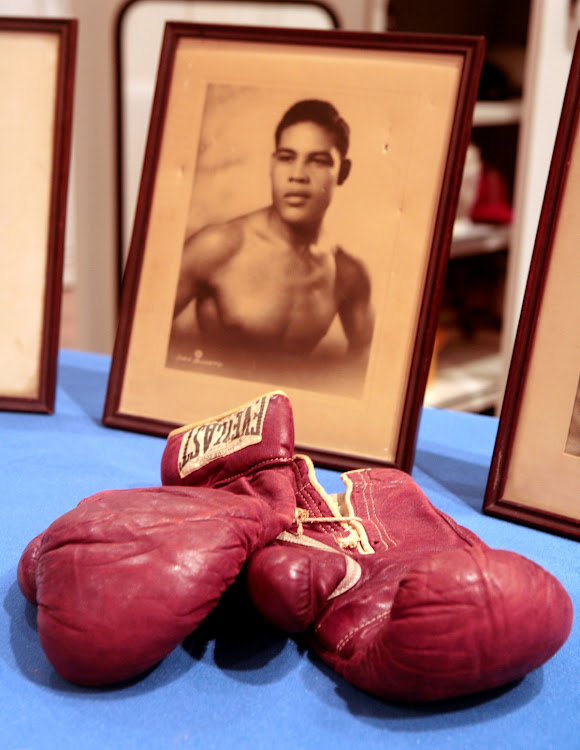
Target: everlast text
x=210, y=440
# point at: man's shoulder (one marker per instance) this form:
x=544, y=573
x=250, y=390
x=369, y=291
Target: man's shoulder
x=213, y=245
x=348, y=264
x=216, y=237
x=352, y=276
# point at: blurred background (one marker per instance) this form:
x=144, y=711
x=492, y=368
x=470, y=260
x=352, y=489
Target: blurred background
x=529, y=49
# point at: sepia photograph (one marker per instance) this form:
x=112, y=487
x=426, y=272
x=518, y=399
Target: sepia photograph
x=535, y=471
x=292, y=231
x=273, y=293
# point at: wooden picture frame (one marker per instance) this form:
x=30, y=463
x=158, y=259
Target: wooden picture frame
x=37, y=67
x=221, y=93
x=534, y=477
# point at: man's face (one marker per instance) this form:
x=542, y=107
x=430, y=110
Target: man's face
x=304, y=172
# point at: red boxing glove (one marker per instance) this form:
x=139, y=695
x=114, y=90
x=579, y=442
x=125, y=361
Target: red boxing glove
x=400, y=600
x=124, y=577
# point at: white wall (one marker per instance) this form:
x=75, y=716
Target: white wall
x=551, y=36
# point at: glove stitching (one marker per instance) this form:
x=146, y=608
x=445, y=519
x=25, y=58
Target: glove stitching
x=308, y=499
x=344, y=640
x=253, y=468
x=365, y=485
x=378, y=521
x=300, y=485
x=305, y=491
x=371, y=511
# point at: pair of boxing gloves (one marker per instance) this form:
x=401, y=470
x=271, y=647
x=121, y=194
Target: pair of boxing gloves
x=389, y=591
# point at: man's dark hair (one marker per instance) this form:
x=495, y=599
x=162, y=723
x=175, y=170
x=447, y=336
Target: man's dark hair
x=320, y=112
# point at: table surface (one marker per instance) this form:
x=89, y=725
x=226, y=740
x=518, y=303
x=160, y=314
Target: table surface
x=252, y=688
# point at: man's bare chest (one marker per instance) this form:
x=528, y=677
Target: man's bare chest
x=277, y=293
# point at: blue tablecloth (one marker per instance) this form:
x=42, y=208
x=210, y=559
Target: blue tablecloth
x=236, y=683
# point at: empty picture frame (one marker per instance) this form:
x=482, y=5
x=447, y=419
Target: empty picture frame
x=234, y=285
x=534, y=477
x=37, y=63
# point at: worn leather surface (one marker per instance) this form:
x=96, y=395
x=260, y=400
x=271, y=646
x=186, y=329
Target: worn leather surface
x=120, y=580
x=430, y=612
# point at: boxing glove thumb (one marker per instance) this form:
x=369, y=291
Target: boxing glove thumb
x=290, y=585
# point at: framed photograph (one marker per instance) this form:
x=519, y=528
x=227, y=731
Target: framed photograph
x=292, y=232
x=37, y=65
x=534, y=476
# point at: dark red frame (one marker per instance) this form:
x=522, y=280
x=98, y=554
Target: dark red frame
x=495, y=503
x=471, y=50
x=66, y=29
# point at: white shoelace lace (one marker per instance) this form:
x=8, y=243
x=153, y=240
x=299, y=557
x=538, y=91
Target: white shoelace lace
x=345, y=542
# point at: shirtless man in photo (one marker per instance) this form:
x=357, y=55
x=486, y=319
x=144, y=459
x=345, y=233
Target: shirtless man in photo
x=270, y=282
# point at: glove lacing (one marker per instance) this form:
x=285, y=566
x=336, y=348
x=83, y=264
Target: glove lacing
x=353, y=524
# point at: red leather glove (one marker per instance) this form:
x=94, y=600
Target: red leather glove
x=399, y=599
x=124, y=577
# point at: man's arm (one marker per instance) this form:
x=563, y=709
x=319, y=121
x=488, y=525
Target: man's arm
x=355, y=310
x=203, y=253
x=573, y=442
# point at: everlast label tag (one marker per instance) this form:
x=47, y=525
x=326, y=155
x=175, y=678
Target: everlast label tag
x=226, y=435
